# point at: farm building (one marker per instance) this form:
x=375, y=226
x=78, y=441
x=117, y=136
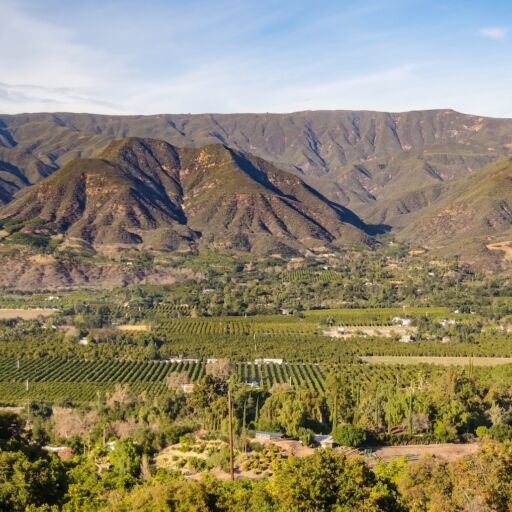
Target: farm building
x=323, y=441
x=267, y=436
x=187, y=388
x=405, y=322
x=268, y=361
x=63, y=452
x=179, y=359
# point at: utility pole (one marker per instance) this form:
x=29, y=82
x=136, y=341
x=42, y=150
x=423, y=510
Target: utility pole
x=230, y=425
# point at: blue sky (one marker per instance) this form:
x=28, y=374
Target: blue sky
x=149, y=56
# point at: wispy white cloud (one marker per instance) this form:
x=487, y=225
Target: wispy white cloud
x=496, y=33
x=15, y=98
x=114, y=56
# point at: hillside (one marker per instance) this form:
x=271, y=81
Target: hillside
x=366, y=161
x=148, y=193
x=474, y=212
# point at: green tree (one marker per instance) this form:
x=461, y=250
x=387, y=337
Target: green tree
x=125, y=460
x=349, y=435
x=329, y=481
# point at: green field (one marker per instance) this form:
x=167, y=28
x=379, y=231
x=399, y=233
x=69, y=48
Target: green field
x=307, y=323
x=55, y=379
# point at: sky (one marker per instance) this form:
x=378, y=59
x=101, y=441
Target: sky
x=194, y=56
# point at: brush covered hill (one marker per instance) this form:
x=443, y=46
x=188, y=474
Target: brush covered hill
x=367, y=161
x=471, y=217
x=147, y=193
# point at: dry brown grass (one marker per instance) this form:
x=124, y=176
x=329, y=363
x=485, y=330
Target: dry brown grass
x=447, y=451
x=438, y=360
x=506, y=247
x=26, y=314
x=133, y=328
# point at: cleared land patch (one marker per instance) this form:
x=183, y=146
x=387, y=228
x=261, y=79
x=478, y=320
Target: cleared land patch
x=26, y=314
x=506, y=247
x=438, y=360
x=133, y=328
x=447, y=451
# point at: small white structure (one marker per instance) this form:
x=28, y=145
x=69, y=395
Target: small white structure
x=267, y=436
x=324, y=441
x=84, y=341
x=404, y=322
x=211, y=360
x=254, y=384
x=111, y=445
x=267, y=360
x=179, y=359
x=406, y=338
x=187, y=388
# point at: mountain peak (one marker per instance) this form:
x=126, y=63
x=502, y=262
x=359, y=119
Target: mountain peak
x=148, y=193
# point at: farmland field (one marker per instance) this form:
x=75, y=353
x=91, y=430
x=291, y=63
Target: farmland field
x=308, y=323
x=26, y=314
x=56, y=379
x=442, y=361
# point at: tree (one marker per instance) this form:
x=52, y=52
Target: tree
x=11, y=427
x=24, y=483
x=220, y=369
x=341, y=397
x=484, y=480
x=427, y=486
x=126, y=460
x=329, y=481
x=85, y=490
x=349, y=435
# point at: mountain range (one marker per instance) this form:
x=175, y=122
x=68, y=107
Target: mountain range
x=148, y=193
x=259, y=182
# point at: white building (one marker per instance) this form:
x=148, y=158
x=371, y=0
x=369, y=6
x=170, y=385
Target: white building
x=324, y=441
x=267, y=360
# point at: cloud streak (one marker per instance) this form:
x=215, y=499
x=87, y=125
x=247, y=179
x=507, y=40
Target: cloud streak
x=496, y=33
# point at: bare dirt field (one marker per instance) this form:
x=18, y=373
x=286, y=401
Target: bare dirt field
x=442, y=361
x=448, y=451
x=26, y=314
x=294, y=448
x=506, y=247
x=12, y=410
x=133, y=328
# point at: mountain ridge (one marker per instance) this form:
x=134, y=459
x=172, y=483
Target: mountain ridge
x=148, y=193
x=355, y=158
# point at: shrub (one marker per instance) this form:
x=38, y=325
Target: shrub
x=445, y=433
x=500, y=433
x=186, y=440
x=481, y=431
x=305, y=436
x=220, y=459
x=349, y=435
x=197, y=464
